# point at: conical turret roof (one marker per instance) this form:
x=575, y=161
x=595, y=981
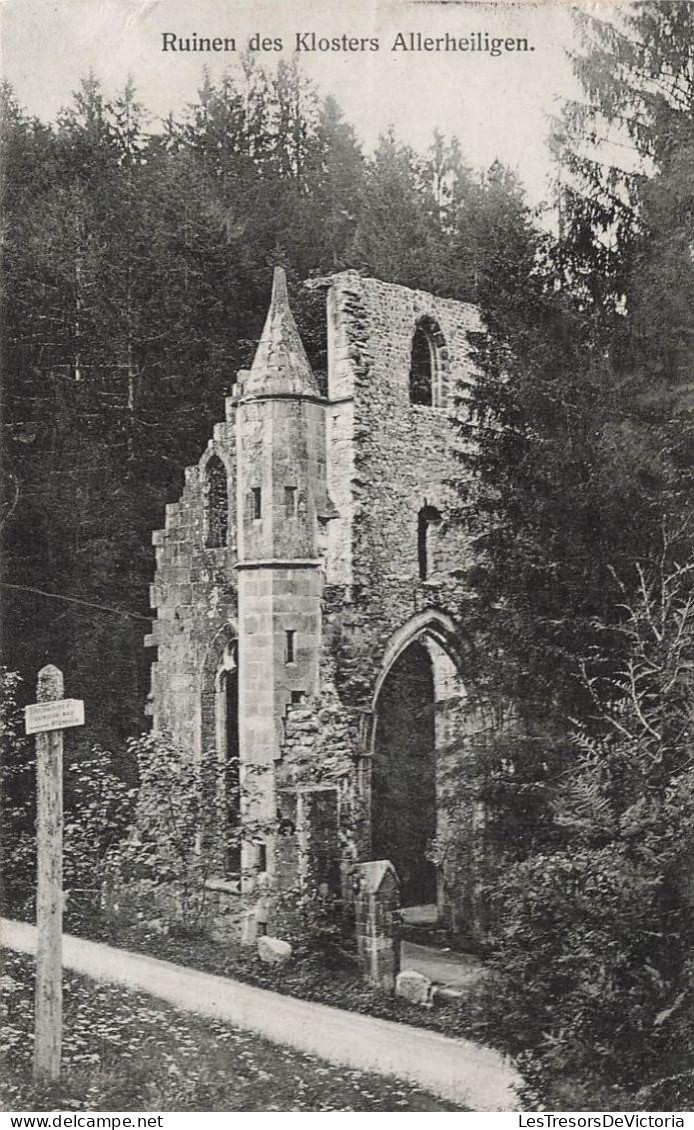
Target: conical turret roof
x=280, y=365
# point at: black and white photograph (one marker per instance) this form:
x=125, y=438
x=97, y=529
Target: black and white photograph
x=347, y=465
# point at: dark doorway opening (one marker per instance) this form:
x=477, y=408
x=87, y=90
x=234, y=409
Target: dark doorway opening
x=232, y=774
x=403, y=780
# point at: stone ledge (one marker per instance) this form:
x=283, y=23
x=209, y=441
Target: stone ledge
x=280, y=563
x=224, y=886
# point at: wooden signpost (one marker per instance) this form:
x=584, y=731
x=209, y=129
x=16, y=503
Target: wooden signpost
x=47, y=719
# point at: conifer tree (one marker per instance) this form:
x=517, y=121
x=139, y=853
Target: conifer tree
x=583, y=594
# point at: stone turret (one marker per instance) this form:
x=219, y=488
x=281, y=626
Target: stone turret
x=281, y=498
x=280, y=366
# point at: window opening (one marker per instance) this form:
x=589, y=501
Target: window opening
x=216, y=503
x=421, y=368
x=289, y=649
x=428, y=520
x=425, y=364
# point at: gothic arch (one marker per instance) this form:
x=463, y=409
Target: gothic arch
x=213, y=451
x=226, y=635
x=416, y=704
x=215, y=492
x=428, y=624
x=428, y=376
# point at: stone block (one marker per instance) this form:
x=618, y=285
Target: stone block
x=249, y=928
x=414, y=987
x=273, y=951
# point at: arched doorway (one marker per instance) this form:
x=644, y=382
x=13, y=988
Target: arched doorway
x=403, y=774
x=228, y=750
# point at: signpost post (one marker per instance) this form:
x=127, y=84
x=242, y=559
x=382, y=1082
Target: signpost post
x=47, y=719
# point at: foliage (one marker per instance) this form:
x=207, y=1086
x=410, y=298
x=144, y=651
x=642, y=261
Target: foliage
x=17, y=799
x=581, y=422
x=399, y=236
x=137, y=265
x=577, y=446
x=312, y=918
x=183, y=834
x=173, y=846
x=97, y=809
x=137, y=259
x=632, y=127
x=592, y=964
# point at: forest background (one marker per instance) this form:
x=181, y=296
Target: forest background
x=137, y=258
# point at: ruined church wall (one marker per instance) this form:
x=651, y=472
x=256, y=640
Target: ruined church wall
x=384, y=460
x=403, y=457
x=387, y=459
x=195, y=599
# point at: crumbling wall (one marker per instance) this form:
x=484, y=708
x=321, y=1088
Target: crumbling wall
x=387, y=459
x=194, y=595
x=402, y=457
x=384, y=460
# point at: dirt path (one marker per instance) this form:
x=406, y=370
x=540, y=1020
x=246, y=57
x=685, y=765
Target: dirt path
x=457, y=971
x=458, y=1070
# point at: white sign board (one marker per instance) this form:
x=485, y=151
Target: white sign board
x=57, y=715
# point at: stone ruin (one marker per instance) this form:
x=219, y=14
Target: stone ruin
x=307, y=595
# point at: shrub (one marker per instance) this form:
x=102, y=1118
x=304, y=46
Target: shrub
x=178, y=838
x=18, y=802
x=590, y=984
x=98, y=807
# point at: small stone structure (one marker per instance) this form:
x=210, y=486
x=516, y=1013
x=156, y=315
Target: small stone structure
x=414, y=987
x=225, y=910
x=376, y=904
x=308, y=593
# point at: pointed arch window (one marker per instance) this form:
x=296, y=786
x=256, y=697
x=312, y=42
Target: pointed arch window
x=428, y=522
x=216, y=503
x=425, y=380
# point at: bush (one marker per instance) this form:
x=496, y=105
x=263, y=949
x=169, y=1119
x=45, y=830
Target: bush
x=18, y=803
x=98, y=807
x=591, y=980
x=314, y=920
x=177, y=841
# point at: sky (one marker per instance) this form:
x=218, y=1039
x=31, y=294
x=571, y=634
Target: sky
x=497, y=106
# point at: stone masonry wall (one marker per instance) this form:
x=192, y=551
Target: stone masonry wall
x=194, y=594
x=387, y=460
x=344, y=576
x=404, y=458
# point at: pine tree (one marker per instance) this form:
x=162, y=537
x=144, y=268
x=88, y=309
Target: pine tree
x=584, y=422
x=399, y=234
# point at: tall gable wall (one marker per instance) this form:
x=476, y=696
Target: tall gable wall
x=393, y=458
x=195, y=597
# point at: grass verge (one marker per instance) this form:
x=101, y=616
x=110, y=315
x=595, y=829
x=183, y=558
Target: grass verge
x=309, y=975
x=123, y=1050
